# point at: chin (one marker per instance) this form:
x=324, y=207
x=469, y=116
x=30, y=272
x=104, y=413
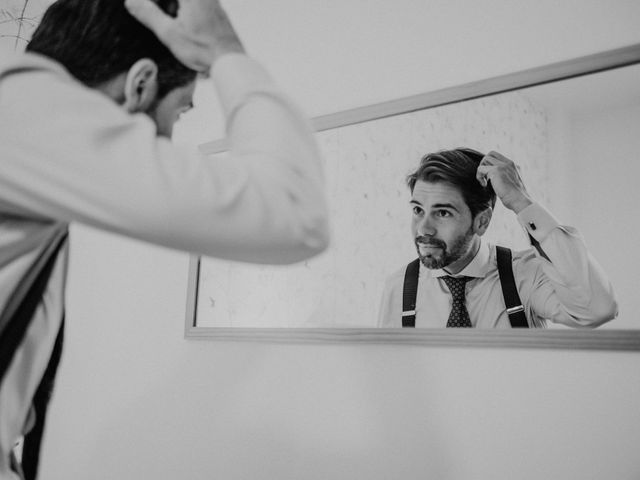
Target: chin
x=432, y=263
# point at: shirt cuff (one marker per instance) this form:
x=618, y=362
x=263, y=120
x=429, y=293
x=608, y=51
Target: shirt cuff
x=236, y=77
x=537, y=221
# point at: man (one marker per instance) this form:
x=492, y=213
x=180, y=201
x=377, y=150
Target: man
x=453, y=193
x=85, y=120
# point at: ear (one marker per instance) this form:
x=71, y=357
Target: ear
x=482, y=220
x=141, y=86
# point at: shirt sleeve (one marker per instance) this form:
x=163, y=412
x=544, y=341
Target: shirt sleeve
x=72, y=154
x=566, y=283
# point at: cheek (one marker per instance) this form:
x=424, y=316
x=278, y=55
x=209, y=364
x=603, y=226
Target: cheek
x=416, y=226
x=169, y=109
x=449, y=232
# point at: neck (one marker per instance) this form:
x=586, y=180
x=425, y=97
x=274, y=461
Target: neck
x=114, y=88
x=462, y=262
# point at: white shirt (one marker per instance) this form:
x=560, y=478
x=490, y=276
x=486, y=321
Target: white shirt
x=569, y=288
x=70, y=154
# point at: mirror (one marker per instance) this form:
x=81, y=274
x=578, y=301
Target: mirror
x=573, y=129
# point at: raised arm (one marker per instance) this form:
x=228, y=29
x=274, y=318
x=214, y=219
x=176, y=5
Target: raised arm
x=264, y=202
x=285, y=202
x=567, y=284
x=197, y=36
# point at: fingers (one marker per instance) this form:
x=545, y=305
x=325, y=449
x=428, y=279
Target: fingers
x=493, y=162
x=200, y=34
x=495, y=158
x=150, y=15
x=482, y=174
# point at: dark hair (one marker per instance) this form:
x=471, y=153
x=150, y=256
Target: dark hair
x=458, y=168
x=96, y=40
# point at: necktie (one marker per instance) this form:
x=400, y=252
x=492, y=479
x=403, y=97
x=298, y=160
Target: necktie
x=459, y=317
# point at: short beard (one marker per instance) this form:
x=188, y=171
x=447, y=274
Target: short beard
x=458, y=250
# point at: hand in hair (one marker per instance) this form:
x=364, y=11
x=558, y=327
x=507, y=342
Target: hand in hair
x=199, y=34
x=505, y=180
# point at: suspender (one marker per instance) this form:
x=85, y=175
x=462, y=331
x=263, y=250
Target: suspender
x=33, y=439
x=14, y=321
x=512, y=301
x=515, y=310
x=409, y=294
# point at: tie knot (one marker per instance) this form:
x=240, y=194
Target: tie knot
x=456, y=285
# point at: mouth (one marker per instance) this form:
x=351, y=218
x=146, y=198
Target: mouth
x=428, y=248
x=429, y=242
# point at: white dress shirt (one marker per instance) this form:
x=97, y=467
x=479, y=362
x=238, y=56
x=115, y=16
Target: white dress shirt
x=567, y=287
x=70, y=154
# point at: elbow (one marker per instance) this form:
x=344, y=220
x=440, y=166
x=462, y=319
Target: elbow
x=319, y=239
x=607, y=311
x=607, y=308
x=309, y=241
x=310, y=233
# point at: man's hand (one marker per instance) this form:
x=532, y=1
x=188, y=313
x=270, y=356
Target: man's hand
x=199, y=34
x=505, y=180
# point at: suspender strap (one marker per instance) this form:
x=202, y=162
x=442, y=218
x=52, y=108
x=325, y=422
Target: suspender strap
x=409, y=294
x=17, y=315
x=15, y=320
x=32, y=441
x=512, y=301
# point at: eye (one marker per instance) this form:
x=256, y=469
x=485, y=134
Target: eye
x=417, y=210
x=443, y=213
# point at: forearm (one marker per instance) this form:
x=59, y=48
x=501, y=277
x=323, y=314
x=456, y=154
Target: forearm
x=92, y=163
x=573, y=289
x=266, y=131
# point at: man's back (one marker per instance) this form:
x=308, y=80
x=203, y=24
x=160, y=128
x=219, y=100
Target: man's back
x=70, y=153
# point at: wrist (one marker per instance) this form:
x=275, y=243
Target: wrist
x=225, y=39
x=227, y=45
x=218, y=51
x=520, y=204
x=221, y=52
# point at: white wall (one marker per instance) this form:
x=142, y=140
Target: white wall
x=606, y=168
x=594, y=166
x=135, y=400
x=18, y=18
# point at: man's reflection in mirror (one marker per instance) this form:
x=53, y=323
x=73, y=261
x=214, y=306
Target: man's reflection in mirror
x=461, y=280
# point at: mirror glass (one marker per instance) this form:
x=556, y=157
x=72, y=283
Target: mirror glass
x=576, y=141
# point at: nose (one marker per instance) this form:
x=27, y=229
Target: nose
x=425, y=226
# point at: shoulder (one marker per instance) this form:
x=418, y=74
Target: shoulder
x=394, y=283
x=524, y=262
x=397, y=277
x=38, y=90
x=527, y=271
x=525, y=257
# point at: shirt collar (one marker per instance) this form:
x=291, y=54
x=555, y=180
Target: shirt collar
x=478, y=267
x=29, y=61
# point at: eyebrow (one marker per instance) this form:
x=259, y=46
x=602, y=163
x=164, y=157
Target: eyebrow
x=436, y=206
